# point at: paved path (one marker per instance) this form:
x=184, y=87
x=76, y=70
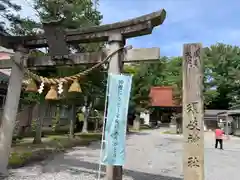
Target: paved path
x=150, y=156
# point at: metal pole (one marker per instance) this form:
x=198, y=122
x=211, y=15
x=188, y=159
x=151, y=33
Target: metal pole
x=227, y=131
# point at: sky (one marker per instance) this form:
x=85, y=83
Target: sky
x=188, y=21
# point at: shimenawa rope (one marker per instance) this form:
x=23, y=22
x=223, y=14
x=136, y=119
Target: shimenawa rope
x=54, y=81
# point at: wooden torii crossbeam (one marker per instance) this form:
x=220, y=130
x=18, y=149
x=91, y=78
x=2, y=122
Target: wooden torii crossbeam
x=57, y=40
x=142, y=25
x=132, y=55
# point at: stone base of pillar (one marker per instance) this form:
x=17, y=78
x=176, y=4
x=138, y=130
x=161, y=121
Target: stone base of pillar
x=114, y=173
x=173, y=128
x=136, y=125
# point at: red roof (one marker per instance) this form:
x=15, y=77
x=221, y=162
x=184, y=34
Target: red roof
x=162, y=96
x=4, y=56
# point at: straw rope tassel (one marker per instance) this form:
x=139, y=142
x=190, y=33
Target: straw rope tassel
x=31, y=86
x=52, y=94
x=75, y=87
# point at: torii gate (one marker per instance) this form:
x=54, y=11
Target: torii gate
x=57, y=40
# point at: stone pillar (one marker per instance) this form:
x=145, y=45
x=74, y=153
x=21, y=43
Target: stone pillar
x=10, y=110
x=42, y=106
x=173, y=124
x=137, y=122
x=116, y=41
x=72, y=115
x=193, y=157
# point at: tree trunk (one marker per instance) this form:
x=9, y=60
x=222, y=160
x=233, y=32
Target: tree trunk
x=72, y=116
x=39, y=122
x=96, y=124
x=20, y=132
x=85, y=121
x=86, y=116
x=136, y=123
x=173, y=124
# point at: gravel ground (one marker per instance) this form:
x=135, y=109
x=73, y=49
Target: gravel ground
x=150, y=156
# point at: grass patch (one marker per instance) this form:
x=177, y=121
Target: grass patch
x=25, y=152
x=168, y=132
x=145, y=127
x=89, y=136
x=19, y=158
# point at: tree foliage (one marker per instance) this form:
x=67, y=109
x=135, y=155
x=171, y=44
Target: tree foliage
x=221, y=77
x=78, y=13
x=7, y=13
x=222, y=71
x=74, y=14
x=165, y=72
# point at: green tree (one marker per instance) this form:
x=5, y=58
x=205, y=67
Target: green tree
x=222, y=72
x=93, y=87
x=73, y=15
x=221, y=77
x=8, y=14
x=173, y=77
x=144, y=77
x=76, y=14
x=165, y=72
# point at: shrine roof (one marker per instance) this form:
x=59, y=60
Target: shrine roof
x=162, y=96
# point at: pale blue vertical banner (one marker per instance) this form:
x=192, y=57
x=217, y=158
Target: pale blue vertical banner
x=117, y=110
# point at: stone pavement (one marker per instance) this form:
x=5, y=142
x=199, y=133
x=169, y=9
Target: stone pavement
x=151, y=155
